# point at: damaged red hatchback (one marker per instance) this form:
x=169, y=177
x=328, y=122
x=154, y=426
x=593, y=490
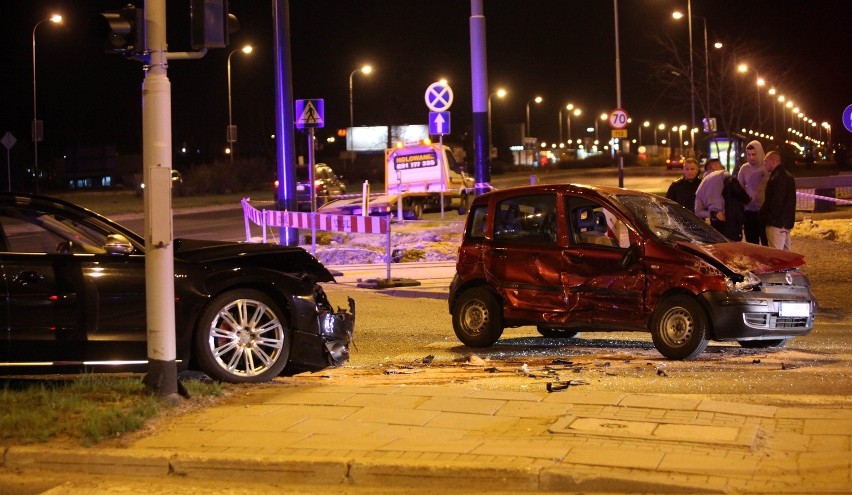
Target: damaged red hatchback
x=567, y=258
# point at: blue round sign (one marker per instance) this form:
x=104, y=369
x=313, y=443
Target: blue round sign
x=439, y=97
x=847, y=118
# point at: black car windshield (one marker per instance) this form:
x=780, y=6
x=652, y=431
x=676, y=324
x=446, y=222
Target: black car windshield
x=669, y=221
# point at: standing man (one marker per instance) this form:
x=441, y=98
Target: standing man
x=753, y=177
x=709, y=201
x=779, y=206
x=683, y=189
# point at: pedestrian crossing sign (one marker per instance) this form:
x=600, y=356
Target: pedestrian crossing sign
x=310, y=113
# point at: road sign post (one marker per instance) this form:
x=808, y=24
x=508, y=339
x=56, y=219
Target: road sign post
x=618, y=120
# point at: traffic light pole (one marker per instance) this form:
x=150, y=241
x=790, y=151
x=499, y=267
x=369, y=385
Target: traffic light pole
x=159, y=248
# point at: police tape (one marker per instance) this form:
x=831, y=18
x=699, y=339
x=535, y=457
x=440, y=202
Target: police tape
x=824, y=198
x=319, y=221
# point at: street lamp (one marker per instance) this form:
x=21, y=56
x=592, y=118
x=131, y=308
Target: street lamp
x=759, y=82
x=603, y=116
x=577, y=112
x=37, y=128
x=537, y=99
x=231, y=132
x=501, y=93
x=661, y=127
x=366, y=70
x=772, y=93
x=645, y=124
x=678, y=15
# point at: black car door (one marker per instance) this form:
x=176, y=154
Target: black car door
x=68, y=300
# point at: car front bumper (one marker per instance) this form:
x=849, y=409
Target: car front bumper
x=759, y=316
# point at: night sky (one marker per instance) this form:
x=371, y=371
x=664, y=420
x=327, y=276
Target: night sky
x=562, y=50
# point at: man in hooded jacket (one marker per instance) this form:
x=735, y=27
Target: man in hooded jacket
x=753, y=176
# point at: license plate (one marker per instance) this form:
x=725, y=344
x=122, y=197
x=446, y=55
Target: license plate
x=300, y=188
x=795, y=309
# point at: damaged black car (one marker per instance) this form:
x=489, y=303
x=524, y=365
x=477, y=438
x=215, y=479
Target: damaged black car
x=74, y=300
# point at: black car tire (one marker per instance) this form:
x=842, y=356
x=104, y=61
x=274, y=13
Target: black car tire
x=242, y=337
x=557, y=333
x=763, y=344
x=679, y=327
x=476, y=318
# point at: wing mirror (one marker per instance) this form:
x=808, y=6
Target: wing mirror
x=118, y=244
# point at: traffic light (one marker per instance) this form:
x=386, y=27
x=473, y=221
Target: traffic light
x=211, y=24
x=123, y=30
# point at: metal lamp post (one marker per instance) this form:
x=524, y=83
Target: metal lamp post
x=231, y=132
x=366, y=70
x=37, y=129
x=537, y=99
x=577, y=112
x=501, y=93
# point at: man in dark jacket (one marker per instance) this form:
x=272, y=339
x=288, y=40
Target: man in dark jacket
x=736, y=198
x=779, y=206
x=683, y=189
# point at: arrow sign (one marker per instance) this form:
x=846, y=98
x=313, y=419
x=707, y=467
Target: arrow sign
x=439, y=123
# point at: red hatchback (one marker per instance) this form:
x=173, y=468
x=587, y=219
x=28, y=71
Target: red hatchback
x=567, y=258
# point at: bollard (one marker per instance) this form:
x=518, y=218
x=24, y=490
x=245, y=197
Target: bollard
x=533, y=179
x=365, y=198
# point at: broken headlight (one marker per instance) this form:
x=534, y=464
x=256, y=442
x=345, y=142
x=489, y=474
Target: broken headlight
x=748, y=282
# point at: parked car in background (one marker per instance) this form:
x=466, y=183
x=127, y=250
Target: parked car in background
x=74, y=299
x=327, y=185
x=567, y=258
x=674, y=161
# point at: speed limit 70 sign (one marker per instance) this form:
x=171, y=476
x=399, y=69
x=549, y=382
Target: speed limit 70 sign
x=618, y=119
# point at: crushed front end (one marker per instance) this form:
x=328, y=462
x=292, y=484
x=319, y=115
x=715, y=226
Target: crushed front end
x=322, y=335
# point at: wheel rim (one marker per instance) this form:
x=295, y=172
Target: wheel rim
x=677, y=327
x=246, y=337
x=475, y=317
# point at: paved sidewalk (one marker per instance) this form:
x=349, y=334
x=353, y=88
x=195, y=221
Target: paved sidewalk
x=457, y=438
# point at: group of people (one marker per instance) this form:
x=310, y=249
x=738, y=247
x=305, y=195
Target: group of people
x=757, y=200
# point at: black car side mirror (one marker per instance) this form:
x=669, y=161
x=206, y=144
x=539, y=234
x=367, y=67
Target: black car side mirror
x=118, y=244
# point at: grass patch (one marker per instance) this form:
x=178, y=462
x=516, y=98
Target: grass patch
x=86, y=410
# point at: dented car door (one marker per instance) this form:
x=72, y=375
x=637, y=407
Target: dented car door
x=602, y=288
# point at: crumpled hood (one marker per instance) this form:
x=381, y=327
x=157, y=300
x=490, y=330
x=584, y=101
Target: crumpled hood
x=287, y=259
x=743, y=256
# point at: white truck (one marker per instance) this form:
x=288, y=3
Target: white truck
x=418, y=177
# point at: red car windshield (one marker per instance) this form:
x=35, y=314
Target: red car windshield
x=669, y=221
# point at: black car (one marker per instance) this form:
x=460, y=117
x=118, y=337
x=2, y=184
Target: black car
x=73, y=285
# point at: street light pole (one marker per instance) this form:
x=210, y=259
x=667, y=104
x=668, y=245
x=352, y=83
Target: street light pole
x=537, y=99
x=37, y=129
x=231, y=132
x=500, y=94
x=366, y=70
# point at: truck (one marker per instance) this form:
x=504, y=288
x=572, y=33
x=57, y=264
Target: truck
x=419, y=177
